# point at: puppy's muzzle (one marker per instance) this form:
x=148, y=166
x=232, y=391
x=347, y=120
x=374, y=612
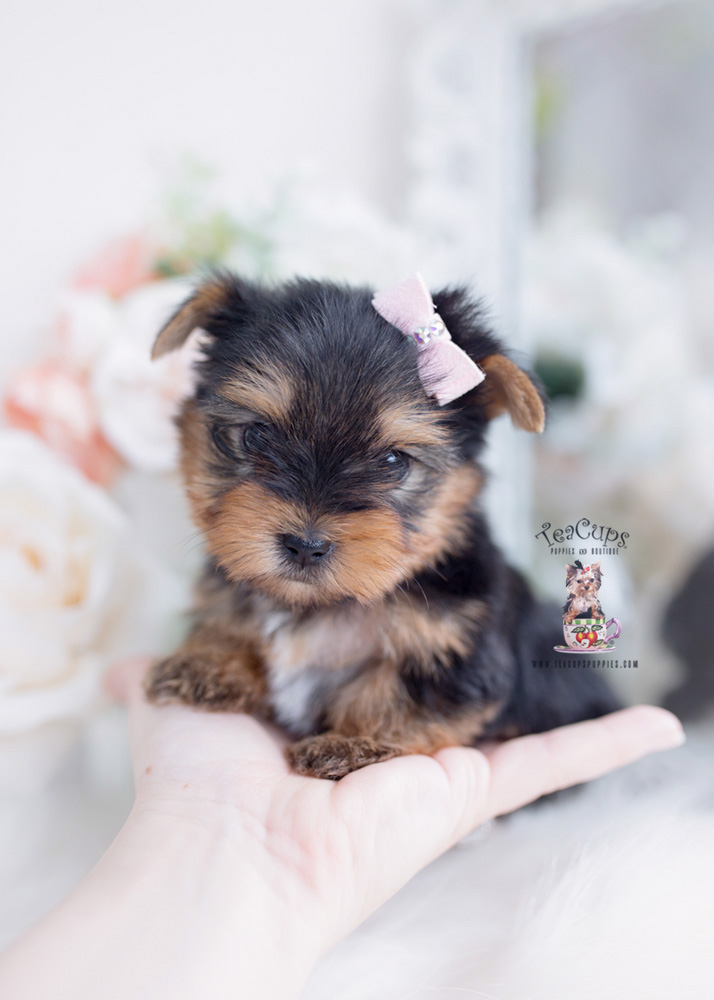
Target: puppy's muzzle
x=307, y=553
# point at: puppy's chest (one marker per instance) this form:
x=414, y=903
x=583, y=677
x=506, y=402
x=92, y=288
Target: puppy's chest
x=308, y=661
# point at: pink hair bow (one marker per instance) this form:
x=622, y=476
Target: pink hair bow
x=446, y=371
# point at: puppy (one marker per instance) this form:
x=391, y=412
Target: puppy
x=352, y=591
x=583, y=584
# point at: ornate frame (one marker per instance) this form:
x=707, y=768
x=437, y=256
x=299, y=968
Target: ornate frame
x=470, y=156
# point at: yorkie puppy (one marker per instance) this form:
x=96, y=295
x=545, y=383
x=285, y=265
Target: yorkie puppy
x=352, y=591
x=583, y=584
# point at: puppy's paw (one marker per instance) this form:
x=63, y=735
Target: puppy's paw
x=333, y=756
x=194, y=680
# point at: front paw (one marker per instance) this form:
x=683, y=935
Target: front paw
x=333, y=756
x=194, y=680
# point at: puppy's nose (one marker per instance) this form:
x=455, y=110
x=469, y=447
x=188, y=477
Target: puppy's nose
x=306, y=551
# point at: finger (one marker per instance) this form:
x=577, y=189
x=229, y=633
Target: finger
x=525, y=768
x=414, y=808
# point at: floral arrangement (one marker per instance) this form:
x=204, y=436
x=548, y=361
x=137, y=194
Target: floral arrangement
x=74, y=587
x=98, y=399
x=77, y=588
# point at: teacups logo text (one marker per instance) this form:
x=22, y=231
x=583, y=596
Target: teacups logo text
x=604, y=540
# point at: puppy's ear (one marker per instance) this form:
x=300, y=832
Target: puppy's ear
x=570, y=572
x=506, y=388
x=597, y=570
x=213, y=301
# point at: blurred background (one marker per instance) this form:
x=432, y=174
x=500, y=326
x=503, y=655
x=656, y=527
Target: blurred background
x=556, y=155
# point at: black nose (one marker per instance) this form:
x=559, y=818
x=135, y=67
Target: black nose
x=306, y=551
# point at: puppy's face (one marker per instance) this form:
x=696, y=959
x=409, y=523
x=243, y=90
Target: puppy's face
x=316, y=466
x=583, y=582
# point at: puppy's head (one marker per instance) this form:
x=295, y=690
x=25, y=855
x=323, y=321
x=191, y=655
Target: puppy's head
x=583, y=581
x=316, y=465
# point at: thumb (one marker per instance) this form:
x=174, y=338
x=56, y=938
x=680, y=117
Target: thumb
x=123, y=682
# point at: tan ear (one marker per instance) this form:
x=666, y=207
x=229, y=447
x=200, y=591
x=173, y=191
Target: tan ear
x=195, y=312
x=570, y=572
x=507, y=389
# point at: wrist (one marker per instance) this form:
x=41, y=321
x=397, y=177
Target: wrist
x=181, y=906
x=235, y=916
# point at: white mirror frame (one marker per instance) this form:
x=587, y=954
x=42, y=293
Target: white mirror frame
x=471, y=156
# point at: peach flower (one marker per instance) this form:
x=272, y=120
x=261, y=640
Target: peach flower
x=57, y=405
x=125, y=264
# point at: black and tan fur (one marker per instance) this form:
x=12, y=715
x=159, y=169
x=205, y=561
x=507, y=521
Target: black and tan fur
x=405, y=630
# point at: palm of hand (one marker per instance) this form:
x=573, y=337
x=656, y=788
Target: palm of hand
x=339, y=849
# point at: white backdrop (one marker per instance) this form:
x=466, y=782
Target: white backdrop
x=98, y=97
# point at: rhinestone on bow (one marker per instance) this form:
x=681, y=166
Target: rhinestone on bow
x=435, y=330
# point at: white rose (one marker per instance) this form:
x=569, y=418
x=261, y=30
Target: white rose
x=137, y=398
x=88, y=321
x=343, y=239
x=72, y=591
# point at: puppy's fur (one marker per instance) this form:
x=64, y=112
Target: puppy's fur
x=583, y=585
x=353, y=592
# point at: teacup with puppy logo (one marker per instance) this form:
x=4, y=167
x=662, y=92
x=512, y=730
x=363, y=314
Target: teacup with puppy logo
x=591, y=634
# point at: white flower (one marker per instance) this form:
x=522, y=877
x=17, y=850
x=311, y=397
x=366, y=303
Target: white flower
x=618, y=310
x=326, y=231
x=345, y=240
x=88, y=322
x=137, y=398
x=70, y=586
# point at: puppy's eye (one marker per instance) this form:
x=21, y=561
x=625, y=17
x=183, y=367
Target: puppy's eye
x=226, y=439
x=254, y=438
x=397, y=464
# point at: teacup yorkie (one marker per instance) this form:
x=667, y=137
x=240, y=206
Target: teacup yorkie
x=583, y=584
x=353, y=592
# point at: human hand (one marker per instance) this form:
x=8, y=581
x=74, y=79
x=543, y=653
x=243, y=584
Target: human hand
x=334, y=851
x=233, y=875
